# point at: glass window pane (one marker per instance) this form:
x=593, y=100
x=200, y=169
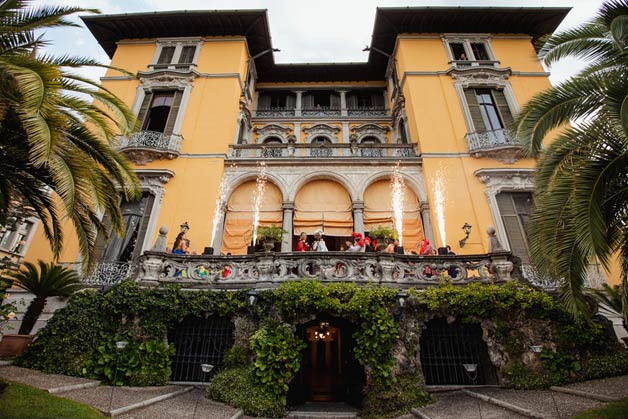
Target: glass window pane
x=457, y=51
x=165, y=57
x=479, y=51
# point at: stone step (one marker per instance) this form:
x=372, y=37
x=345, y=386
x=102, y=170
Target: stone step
x=320, y=415
x=457, y=405
x=318, y=410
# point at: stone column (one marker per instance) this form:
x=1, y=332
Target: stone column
x=428, y=230
x=358, y=217
x=220, y=229
x=299, y=105
x=345, y=132
x=343, y=103
x=297, y=132
x=288, y=210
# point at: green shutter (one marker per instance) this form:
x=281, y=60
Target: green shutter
x=502, y=107
x=141, y=234
x=377, y=100
x=352, y=102
x=174, y=111
x=513, y=226
x=474, y=109
x=334, y=101
x=263, y=102
x=165, y=56
x=187, y=54
x=141, y=116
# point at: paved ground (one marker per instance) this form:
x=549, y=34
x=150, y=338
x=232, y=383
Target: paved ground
x=457, y=404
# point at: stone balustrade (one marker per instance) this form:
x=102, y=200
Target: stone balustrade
x=350, y=150
x=267, y=270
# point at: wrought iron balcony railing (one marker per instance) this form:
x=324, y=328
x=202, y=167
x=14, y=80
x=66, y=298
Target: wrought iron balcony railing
x=265, y=269
x=104, y=273
x=321, y=111
x=145, y=146
x=367, y=111
x=352, y=150
x=499, y=143
x=275, y=112
x=474, y=63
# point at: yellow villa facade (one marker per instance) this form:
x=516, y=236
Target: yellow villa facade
x=215, y=113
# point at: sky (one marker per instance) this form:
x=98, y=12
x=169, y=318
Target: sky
x=305, y=31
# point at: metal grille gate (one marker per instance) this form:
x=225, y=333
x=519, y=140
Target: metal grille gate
x=199, y=341
x=445, y=348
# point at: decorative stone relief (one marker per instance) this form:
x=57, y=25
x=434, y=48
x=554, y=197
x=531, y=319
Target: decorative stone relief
x=166, y=80
x=272, y=130
x=369, y=130
x=480, y=76
x=321, y=130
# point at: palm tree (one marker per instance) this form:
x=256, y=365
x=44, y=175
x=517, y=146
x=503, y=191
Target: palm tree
x=50, y=281
x=57, y=146
x=581, y=182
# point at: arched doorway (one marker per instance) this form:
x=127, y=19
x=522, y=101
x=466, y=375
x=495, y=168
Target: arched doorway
x=240, y=211
x=455, y=354
x=320, y=147
x=378, y=211
x=323, y=204
x=329, y=371
x=272, y=152
x=199, y=341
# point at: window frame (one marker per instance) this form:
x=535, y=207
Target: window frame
x=174, y=64
x=466, y=41
x=14, y=241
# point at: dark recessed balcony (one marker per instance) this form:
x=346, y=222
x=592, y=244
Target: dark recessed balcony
x=146, y=146
x=499, y=144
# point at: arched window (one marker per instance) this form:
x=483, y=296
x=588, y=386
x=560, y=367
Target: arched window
x=367, y=151
x=273, y=151
x=320, y=147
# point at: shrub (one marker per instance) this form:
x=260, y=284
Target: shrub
x=604, y=365
x=384, y=400
x=238, y=387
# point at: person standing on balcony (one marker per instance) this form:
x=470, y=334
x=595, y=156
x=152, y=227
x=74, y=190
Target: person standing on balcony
x=181, y=244
x=318, y=245
x=302, y=245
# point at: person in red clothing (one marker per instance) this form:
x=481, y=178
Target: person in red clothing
x=302, y=245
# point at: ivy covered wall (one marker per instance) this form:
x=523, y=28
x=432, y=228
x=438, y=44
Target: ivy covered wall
x=267, y=352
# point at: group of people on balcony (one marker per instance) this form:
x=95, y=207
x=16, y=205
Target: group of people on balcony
x=356, y=244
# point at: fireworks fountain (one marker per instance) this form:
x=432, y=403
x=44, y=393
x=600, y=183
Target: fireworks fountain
x=259, y=197
x=439, y=201
x=397, y=189
x=219, y=211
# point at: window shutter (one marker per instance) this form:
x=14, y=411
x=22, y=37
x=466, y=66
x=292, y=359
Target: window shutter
x=141, y=234
x=308, y=101
x=187, y=54
x=263, y=102
x=165, y=56
x=352, y=102
x=174, y=111
x=334, y=101
x=291, y=102
x=502, y=107
x=474, y=109
x=141, y=116
x=513, y=226
x=377, y=100
x=101, y=243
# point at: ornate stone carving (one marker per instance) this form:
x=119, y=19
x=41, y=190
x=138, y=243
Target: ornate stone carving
x=370, y=130
x=498, y=180
x=167, y=79
x=145, y=146
x=323, y=130
x=480, y=76
x=272, y=130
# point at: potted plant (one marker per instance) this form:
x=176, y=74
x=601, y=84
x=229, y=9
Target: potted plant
x=383, y=232
x=49, y=281
x=270, y=235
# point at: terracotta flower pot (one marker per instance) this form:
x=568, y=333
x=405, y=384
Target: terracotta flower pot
x=14, y=345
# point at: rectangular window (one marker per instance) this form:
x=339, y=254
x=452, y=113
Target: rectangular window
x=515, y=209
x=165, y=56
x=479, y=51
x=489, y=109
x=457, y=51
x=187, y=54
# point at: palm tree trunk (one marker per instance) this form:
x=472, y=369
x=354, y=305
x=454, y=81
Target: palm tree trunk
x=34, y=310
